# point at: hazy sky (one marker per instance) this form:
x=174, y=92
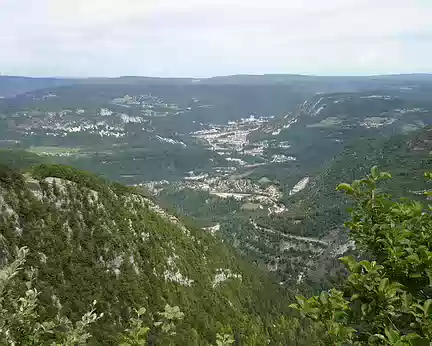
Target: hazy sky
x=214, y=37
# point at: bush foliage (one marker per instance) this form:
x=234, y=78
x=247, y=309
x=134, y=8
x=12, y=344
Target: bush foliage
x=387, y=297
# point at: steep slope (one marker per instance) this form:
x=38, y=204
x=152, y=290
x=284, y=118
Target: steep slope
x=93, y=240
x=407, y=156
x=320, y=211
x=324, y=126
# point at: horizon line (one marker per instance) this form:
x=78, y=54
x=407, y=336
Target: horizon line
x=227, y=76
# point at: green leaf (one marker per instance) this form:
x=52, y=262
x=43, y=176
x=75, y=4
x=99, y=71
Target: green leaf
x=380, y=336
x=355, y=297
x=141, y=311
x=411, y=336
x=301, y=300
x=294, y=306
x=413, y=258
x=427, y=306
x=385, y=175
x=345, y=188
x=364, y=309
x=392, y=335
x=324, y=297
x=375, y=172
x=383, y=284
x=349, y=262
x=429, y=274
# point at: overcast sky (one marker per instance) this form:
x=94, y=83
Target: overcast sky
x=199, y=38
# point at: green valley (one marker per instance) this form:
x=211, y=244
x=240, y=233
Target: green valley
x=214, y=196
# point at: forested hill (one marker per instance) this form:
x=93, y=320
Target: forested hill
x=93, y=240
x=317, y=213
x=407, y=156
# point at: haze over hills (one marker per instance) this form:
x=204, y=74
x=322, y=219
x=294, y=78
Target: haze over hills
x=14, y=85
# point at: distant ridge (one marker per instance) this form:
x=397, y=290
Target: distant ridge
x=15, y=85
